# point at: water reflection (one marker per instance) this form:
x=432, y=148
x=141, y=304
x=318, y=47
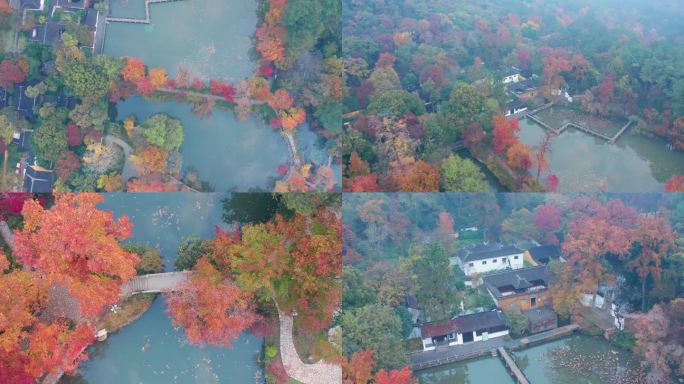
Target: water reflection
x=585, y=163
x=150, y=350
x=229, y=154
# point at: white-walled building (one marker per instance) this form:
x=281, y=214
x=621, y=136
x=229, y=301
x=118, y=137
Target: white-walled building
x=512, y=75
x=480, y=326
x=488, y=257
x=514, y=107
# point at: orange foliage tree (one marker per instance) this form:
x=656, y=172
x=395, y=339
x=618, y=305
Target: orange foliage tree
x=150, y=160
x=359, y=370
x=367, y=183
x=281, y=99
x=360, y=178
x=298, y=260
x=675, y=184
x=210, y=308
x=417, y=176
x=269, y=35
x=84, y=256
x=133, y=71
x=519, y=156
x=152, y=183
x=594, y=231
x=505, y=132
x=292, y=118
x=158, y=77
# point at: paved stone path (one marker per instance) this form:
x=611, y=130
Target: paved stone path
x=128, y=169
x=7, y=234
x=318, y=373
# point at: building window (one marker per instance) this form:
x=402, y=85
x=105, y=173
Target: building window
x=503, y=259
x=494, y=260
x=515, y=257
x=533, y=301
x=471, y=264
x=484, y=262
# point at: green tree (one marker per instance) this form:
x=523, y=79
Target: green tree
x=466, y=105
x=84, y=180
x=384, y=79
x=68, y=39
x=519, y=226
x=306, y=21
x=86, y=80
x=396, y=103
x=7, y=131
x=150, y=258
x=330, y=115
x=308, y=203
x=190, y=249
x=90, y=114
x=375, y=327
x=50, y=138
x=356, y=293
x=163, y=131
x=462, y=175
x=516, y=322
x=432, y=280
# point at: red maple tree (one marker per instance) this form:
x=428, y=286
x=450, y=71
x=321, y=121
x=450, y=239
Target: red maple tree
x=84, y=256
x=210, y=308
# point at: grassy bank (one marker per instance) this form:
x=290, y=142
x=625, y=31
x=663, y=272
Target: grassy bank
x=129, y=311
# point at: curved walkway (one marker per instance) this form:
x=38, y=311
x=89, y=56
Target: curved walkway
x=318, y=373
x=7, y=234
x=128, y=170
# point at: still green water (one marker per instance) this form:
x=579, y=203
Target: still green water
x=479, y=371
x=227, y=153
x=576, y=359
x=151, y=350
x=210, y=38
x=584, y=163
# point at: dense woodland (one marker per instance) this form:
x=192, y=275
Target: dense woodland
x=399, y=245
x=57, y=290
x=424, y=79
x=298, y=80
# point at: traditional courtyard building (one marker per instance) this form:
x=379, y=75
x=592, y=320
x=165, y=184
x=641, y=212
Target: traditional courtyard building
x=485, y=258
x=522, y=288
x=474, y=327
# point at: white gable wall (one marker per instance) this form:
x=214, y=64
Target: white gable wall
x=514, y=261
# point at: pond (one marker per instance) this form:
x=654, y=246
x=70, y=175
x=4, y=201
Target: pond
x=578, y=359
x=584, y=163
x=210, y=38
x=227, y=153
x=477, y=371
x=150, y=350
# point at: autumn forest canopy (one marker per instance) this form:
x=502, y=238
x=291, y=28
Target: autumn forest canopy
x=428, y=86
x=403, y=245
x=67, y=266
